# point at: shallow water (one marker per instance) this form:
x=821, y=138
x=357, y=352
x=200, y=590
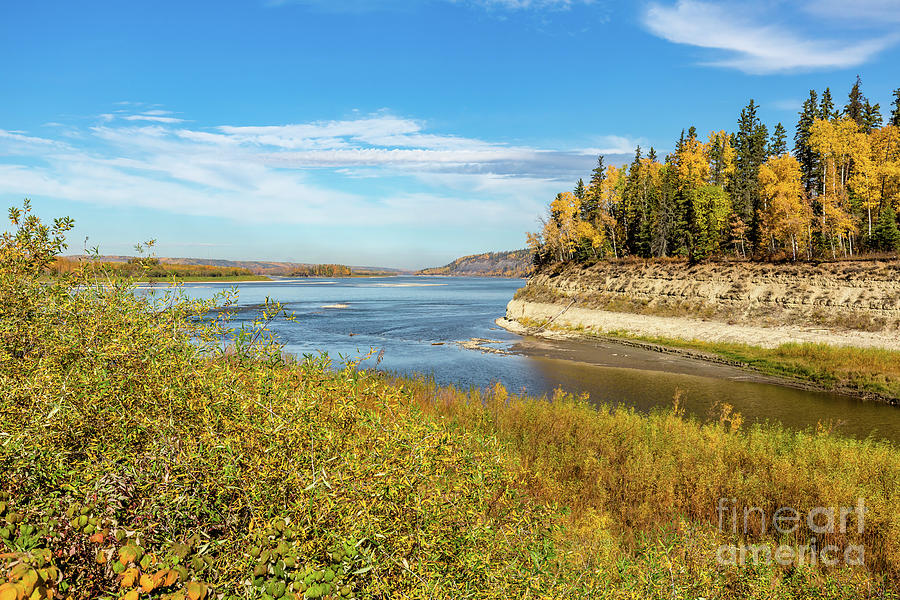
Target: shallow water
x=417, y=322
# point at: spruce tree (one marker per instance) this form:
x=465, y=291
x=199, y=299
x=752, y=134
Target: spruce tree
x=871, y=117
x=579, y=189
x=682, y=217
x=895, y=112
x=633, y=212
x=652, y=155
x=826, y=106
x=665, y=213
x=856, y=103
x=778, y=143
x=886, y=235
x=590, y=202
x=750, y=152
x=599, y=173
x=805, y=156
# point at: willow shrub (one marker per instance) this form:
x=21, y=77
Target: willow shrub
x=149, y=450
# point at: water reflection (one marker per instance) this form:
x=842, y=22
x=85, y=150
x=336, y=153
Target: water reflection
x=757, y=402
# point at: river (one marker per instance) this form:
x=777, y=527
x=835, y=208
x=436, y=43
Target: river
x=418, y=321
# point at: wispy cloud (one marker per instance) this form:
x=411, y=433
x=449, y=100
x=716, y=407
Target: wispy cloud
x=363, y=6
x=305, y=173
x=870, y=10
x=787, y=104
x=152, y=118
x=753, y=47
x=527, y=4
x=613, y=144
x=18, y=138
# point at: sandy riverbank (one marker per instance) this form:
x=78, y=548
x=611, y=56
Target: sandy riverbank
x=606, y=322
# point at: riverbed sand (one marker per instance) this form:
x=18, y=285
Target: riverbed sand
x=607, y=322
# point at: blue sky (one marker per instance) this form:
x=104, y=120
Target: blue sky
x=396, y=132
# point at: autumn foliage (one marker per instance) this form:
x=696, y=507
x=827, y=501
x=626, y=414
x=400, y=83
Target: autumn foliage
x=741, y=194
x=150, y=450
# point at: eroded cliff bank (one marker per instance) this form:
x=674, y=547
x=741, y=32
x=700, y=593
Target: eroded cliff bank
x=859, y=300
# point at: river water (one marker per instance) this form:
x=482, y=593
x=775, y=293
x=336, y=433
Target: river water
x=418, y=321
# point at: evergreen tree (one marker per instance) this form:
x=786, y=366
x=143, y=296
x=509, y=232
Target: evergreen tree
x=633, y=211
x=807, y=158
x=579, y=189
x=856, y=104
x=599, y=173
x=642, y=202
x=871, y=116
x=665, y=214
x=590, y=202
x=682, y=239
x=679, y=241
x=652, y=156
x=886, y=235
x=778, y=143
x=826, y=106
x=895, y=112
x=750, y=152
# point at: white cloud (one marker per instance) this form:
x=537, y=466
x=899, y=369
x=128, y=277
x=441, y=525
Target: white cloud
x=304, y=173
x=366, y=6
x=614, y=145
x=152, y=117
x=526, y=4
x=753, y=47
x=870, y=10
x=17, y=139
x=787, y=104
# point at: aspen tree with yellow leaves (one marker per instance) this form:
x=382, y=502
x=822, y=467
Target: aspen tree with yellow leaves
x=787, y=214
x=884, y=144
x=611, y=206
x=836, y=142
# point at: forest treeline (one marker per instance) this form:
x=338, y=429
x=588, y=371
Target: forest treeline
x=836, y=193
x=147, y=267
x=327, y=270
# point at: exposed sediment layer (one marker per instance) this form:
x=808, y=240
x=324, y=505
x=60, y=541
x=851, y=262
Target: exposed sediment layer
x=538, y=314
x=802, y=300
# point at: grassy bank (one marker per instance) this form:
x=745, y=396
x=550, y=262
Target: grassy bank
x=867, y=370
x=142, y=458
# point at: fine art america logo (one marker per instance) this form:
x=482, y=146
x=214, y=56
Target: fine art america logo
x=826, y=522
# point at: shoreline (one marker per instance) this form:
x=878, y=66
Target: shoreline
x=560, y=335
x=683, y=348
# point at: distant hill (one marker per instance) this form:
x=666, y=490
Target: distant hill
x=514, y=263
x=257, y=267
